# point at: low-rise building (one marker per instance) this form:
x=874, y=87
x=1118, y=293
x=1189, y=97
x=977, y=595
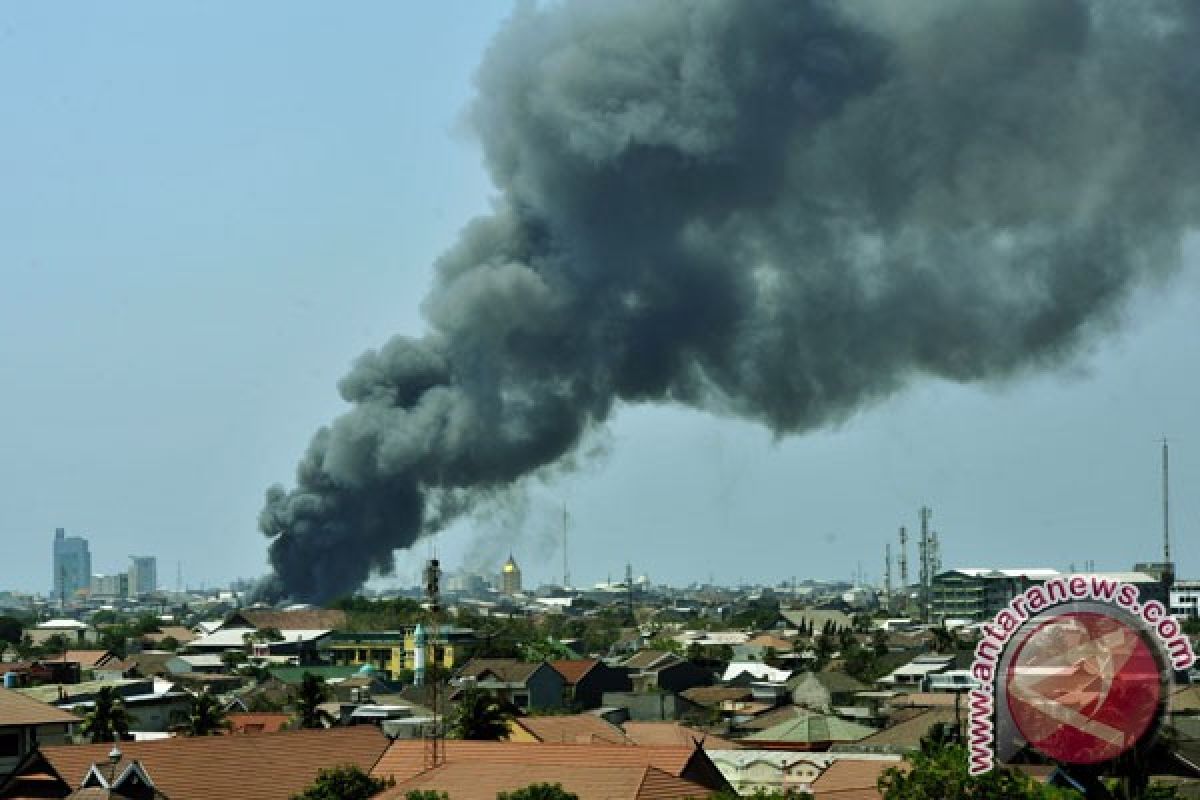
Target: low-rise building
x=24, y=723
x=392, y=652
x=525, y=685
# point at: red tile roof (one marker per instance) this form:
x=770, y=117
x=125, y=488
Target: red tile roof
x=574, y=669
x=573, y=728
x=258, y=722
x=315, y=620
x=468, y=781
x=267, y=767
x=673, y=733
x=17, y=709
x=849, y=779
x=405, y=759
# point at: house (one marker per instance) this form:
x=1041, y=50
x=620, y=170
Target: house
x=823, y=691
x=406, y=760
x=914, y=676
x=567, y=729
x=201, y=663
x=673, y=733
x=258, y=722
x=465, y=781
x=907, y=734
x=287, y=621
x=768, y=771
x=270, y=766
x=523, y=684
x=72, y=631
x=857, y=779
x=812, y=732
x=659, y=670
x=744, y=673
x=587, y=680
x=24, y=723
x=153, y=705
x=114, y=779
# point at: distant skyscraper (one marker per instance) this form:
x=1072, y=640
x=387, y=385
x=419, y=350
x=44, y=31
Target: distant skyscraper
x=510, y=577
x=72, y=565
x=143, y=575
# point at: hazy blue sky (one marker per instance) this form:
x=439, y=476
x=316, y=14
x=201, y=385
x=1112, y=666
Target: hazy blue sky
x=208, y=210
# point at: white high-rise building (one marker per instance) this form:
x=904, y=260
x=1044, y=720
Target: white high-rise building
x=72, y=565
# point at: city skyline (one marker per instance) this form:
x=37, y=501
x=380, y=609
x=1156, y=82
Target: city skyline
x=232, y=254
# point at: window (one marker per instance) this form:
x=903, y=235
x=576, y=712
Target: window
x=10, y=744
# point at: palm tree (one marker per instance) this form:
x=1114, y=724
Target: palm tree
x=312, y=693
x=108, y=720
x=205, y=715
x=479, y=716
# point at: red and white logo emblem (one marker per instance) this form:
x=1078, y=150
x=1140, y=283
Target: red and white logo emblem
x=1083, y=687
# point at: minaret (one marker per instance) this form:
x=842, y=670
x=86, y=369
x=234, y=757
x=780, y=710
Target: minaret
x=419, y=655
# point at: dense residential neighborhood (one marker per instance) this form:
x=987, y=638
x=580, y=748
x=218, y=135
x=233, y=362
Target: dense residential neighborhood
x=813, y=689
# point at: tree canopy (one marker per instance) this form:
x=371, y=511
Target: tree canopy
x=479, y=716
x=348, y=782
x=939, y=772
x=108, y=720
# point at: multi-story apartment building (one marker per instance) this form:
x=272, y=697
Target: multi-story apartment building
x=71, y=565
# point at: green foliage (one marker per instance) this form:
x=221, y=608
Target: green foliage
x=10, y=629
x=547, y=649
x=115, y=641
x=108, y=720
x=379, y=615
x=538, y=791
x=313, y=692
x=479, y=716
x=762, y=794
x=205, y=715
x=425, y=794
x=169, y=643
x=347, y=782
x=939, y=772
x=760, y=614
x=1191, y=626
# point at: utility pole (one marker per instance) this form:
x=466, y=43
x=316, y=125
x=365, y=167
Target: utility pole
x=434, y=746
x=887, y=572
x=925, y=547
x=629, y=592
x=903, y=561
x=566, y=570
x=1166, y=504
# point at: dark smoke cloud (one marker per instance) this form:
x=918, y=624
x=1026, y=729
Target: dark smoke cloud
x=781, y=211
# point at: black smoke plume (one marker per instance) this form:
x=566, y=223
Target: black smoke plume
x=773, y=209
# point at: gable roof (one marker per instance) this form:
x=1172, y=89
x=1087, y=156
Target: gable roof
x=832, y=680
x=266, y=767
x=505, y=670
x=577, y=728
x=405, y=758
x=651, y=660
x=313, y=620
x=466, y=781
x=573, y=669
x=674, y=733
x=908, y=734
x=89, y=659
x=258, y=721
x=17, y=709
x=851, y=779
x=710, y=696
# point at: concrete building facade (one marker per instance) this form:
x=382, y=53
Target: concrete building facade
x=71, y=565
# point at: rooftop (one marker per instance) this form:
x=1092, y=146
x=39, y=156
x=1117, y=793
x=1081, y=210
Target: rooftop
x=466, y=781
x=17, y=709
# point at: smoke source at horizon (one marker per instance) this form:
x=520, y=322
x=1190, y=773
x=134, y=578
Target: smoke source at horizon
x=781, y=211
